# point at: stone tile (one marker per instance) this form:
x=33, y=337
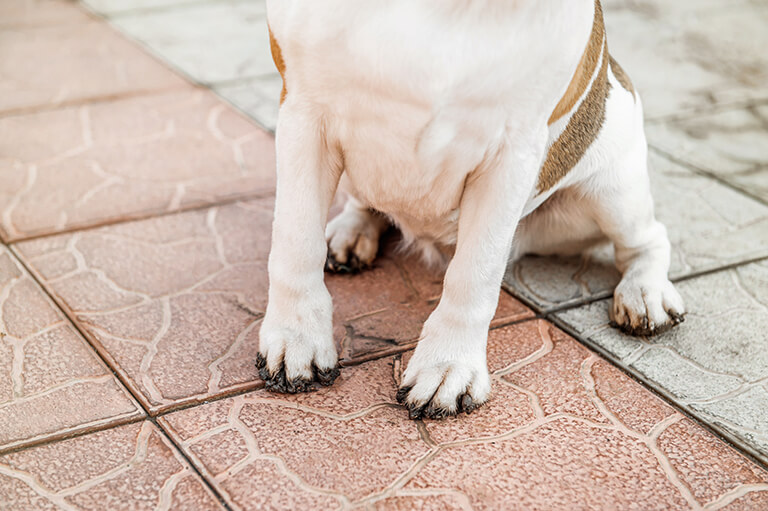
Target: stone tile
x=118, y=7
x=36, y=13
x=188, y=291
x=121, y=159
x=731, y=144
x=47, y=371
x=257, y=97
x=210, y=42
x=715, y=364
x=132, y=467
x=690, y=55
x=350, y=445
x=83, y=61
x=709, y=225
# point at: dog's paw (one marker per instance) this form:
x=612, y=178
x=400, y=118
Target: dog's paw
x=291, y=362
x=436, y=389
x=646, y=308
x=353, y=241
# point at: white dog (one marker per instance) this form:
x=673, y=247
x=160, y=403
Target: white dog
x=498, y=126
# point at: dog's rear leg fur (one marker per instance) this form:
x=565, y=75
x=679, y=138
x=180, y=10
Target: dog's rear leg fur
x=353, y=238
x=296, y=345
x=645, y=302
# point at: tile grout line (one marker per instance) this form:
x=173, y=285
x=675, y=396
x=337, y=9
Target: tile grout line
x=705, y=173
x=148, y=416
x=728, y=438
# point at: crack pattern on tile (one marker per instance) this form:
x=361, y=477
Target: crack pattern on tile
x=619, y=441
x=188, y=291
x=131, y=467
x=110, y=161
x=715, y=363
x=47, y=370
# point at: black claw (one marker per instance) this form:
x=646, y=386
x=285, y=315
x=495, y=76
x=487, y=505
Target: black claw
x=277, y=381
x=326, y=377
x=465, y=403
x=415, y=412
x=352, y=266
x=402, y=393
x=644, y=330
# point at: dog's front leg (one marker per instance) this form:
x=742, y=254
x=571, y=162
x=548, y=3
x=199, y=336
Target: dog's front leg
x=296, y=338
x=448, y=373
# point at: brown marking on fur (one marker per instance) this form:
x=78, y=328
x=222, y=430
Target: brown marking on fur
x=581, y=131
x=621, y=76
x=277, y=56
x=585, y=70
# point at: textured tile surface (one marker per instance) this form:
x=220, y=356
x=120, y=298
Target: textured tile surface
x=564, y=429
x=257, y=97
x=39, y=13
x=709, y=225
x=47, y=371
x=132, y=467
x=732, y=144
x=82, y=61
x=688, y=55
x=715, y=364
x=133, y=157
x=188, y=292
x=211, y=42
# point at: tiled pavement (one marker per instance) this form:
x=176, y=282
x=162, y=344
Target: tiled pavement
x=135, y=209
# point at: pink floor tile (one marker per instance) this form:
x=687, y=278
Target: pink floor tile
x=175, y=302
x=51, y=382
x=132, y=467
x=608, y=444
x=128, y=158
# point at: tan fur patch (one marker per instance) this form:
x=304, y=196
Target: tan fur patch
x=277, y=56
x=621, y=76
x=585, y=70
x=581, y=131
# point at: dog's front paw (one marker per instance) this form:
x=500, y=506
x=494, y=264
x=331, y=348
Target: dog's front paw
x=292, y=360
x=646, y=308
x=435, y=387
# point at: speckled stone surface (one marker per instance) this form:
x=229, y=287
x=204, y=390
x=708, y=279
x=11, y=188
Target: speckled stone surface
x=47, y=371
x=564, y=429
x=122, y=159
x=715, y=364
x=188, y=291
x=132, y=467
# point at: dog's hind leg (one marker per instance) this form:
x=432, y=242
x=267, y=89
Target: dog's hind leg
x=353, y=237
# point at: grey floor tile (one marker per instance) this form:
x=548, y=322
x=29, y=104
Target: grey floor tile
x=731, y=144
x=211, y=42
x=257, y=97
x=690, y=54
x=710, y=226
x=117, y=7
x=715, y=364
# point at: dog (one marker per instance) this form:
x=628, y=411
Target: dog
x=498, y=127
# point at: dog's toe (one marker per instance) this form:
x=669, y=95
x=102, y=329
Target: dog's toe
x=276, y=380
x=646, y=308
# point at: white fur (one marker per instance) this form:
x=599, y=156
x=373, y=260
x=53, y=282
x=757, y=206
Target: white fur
x=437, y=110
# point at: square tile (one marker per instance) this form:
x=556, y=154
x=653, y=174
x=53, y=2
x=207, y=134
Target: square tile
x=210, y=42
x=690, y=55
x=715, y=364
x=47, y=371
x=709, y=224
x=132, y=467
x=82, y=62
x=135, y=157
x=562, y=426
x=730, y=144
x=175, y=302
x=35, y=13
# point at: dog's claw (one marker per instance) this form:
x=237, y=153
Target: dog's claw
x=464, y=403
x=277, y=381
x=352, y=266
